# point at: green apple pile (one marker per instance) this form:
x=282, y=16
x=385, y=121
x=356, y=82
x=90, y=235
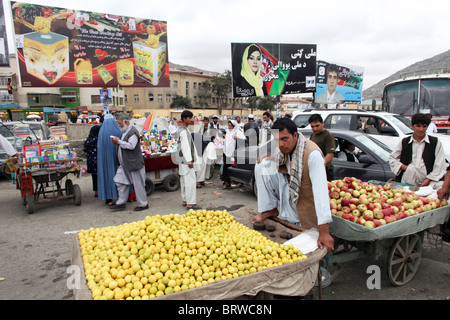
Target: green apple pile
x=374, y=205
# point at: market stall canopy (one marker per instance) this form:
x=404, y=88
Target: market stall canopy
x=55, y=110
x=33, y=116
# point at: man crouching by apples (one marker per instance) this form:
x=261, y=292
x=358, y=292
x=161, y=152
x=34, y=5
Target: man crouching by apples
x=297, y=188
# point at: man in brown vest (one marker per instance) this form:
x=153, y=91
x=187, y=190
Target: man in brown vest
x=293, y=183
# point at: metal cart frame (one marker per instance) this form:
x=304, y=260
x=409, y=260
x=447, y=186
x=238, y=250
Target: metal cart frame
x=47, y=185
x=401, y=240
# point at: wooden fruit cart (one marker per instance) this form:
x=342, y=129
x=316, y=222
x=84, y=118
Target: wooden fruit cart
x=401, y=240
x=48, y=185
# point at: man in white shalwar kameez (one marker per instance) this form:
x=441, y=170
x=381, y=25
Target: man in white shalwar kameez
x=187, y=158
x=132, y=169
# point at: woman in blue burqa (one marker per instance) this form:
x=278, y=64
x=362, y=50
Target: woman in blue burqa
x=107, y=159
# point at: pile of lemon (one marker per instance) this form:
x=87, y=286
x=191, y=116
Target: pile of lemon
x=170, y=253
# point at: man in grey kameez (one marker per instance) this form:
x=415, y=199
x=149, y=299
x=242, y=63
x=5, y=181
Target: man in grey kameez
x=132, y=169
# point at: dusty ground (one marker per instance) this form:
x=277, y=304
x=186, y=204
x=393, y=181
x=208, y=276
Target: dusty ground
x=36, y=249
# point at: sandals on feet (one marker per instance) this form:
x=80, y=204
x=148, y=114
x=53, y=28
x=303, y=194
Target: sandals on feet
x=194, y=207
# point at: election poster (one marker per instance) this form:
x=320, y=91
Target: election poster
x=61, y=47
x=260, y=69
x=338, y=83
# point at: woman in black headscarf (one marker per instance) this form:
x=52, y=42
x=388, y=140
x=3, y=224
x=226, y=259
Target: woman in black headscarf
x=90, y=147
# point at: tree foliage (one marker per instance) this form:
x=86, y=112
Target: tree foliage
x=219, y=87
x=180, y=102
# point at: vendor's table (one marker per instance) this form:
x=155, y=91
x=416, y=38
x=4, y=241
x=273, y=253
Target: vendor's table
x=292, y=279
x=160, y=169
x=48, y=186
x=401, y=239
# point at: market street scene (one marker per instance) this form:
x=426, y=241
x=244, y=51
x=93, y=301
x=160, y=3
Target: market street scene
x=291, y=172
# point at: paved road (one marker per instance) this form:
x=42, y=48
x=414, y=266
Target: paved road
x=36, y=249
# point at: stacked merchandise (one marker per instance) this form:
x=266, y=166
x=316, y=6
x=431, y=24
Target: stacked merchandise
x=22, y=134
x=154, y=141
x=47, y=153
x=58, y=133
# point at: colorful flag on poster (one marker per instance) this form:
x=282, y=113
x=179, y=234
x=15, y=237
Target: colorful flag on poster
x=61, y=47
x=260, y=69
x=338, y=83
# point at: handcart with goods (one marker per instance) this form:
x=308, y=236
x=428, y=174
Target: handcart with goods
x=401, y=240
x=50, y=182
x=161, y=170
x=290, y=279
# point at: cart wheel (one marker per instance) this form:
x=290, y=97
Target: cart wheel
x=404, y=259
x=171, y=183
x=29, y=203
x=76, y=195
x=69, y=187
x=149, y=187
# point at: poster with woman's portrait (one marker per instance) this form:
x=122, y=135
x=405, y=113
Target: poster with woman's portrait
x=260, y=69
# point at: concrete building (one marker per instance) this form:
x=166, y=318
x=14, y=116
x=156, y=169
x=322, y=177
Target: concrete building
x=183, y=83
x=48, y=101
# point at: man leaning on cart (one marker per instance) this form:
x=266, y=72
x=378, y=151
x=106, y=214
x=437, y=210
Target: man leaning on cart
x=296, y=184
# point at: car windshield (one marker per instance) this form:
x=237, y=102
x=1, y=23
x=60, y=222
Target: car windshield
x=301, y=120
x=404, y=124
x=379, y=148
x=7, y=130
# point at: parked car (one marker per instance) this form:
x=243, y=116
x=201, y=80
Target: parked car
x=386, y=127
x=39, y=131
x=372, y=155
x=373, y=159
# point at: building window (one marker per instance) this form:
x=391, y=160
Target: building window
x=175, y=84
x=5, y=96
x=125, y=98
x=150, y=97
x=4, y=82
x=69, y=96
x=187, y=89
x=168, y=97
x=194, y=85
x=136, y=98
x=95, y=98
x=160, y=98
x=195, y=99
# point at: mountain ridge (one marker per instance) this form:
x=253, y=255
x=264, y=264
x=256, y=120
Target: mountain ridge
x=439, y=63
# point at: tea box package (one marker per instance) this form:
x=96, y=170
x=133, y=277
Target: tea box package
x=150, y=62
x=46, y=55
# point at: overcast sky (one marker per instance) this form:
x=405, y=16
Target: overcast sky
x=383, y=36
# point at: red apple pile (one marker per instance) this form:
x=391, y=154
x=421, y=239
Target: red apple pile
x=375, y=205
